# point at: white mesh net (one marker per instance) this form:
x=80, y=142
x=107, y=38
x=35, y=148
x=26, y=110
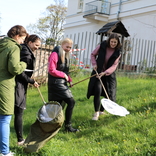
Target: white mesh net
x=114, y=108
x=48, y=112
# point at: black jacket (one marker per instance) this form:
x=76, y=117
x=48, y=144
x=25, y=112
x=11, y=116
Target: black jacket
x=57, y=87
x=23, y=79
x=109, y=82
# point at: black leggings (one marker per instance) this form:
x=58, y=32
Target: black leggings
x=97, y=93
x=18, y=123
x=69, y=110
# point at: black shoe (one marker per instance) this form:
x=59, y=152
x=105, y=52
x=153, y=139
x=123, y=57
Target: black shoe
x=69, y=128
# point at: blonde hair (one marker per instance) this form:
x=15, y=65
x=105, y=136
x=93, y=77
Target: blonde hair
x=63, y=53
x=66, y=40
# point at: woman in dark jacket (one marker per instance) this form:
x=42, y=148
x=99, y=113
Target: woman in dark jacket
x=105, y=59
x=32, y=43
x=57, y=80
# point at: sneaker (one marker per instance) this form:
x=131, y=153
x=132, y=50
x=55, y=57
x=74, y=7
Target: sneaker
x=69, y=128
x=101, y=113
x=21, y=143
x=96, y=116
x=9, y=154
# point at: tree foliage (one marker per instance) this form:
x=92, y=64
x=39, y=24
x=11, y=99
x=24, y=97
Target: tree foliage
x=50, y=26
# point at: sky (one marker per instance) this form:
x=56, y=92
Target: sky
x=18, y=12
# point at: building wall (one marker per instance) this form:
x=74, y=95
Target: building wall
x=138, y=17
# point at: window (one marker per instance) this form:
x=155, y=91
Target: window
x=80, y=4
x=105, y=6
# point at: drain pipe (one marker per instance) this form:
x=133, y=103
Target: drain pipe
x=120, y=2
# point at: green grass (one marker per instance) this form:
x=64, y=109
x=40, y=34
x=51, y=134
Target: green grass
x=133, y=135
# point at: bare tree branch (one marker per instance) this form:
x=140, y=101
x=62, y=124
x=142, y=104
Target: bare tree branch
x=50, y=27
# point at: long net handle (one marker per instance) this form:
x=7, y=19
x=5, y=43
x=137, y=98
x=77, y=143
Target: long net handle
x=83, y=80
x=41, y=95
x=102, y=84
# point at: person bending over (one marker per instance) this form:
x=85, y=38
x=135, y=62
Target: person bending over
x=31, y=44
x=58, y=78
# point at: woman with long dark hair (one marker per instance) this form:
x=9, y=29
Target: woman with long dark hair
x=105, y=59
x=31, y=44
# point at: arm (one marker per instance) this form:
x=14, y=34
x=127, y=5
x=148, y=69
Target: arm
x=94, y=55
x=111, y=69
x=70, y=79
x=26, y=57
x=25, y=78
x=53, y=59
x=15, y=67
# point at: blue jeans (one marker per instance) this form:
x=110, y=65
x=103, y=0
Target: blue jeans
x=4, y=133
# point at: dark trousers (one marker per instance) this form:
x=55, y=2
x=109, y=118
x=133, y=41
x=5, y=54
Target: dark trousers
x=18, y=123
x=97, y=93
x=69, y=109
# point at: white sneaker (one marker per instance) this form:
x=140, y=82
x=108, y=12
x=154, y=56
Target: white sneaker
x=96, y=116
x=21, y=143
x=9, y=154
x=101, y=113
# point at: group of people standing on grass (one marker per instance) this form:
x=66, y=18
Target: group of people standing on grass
x=16, y=69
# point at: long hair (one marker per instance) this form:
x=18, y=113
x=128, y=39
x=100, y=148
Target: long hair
x=63, y=53
x=112, y=36
x=17, y=30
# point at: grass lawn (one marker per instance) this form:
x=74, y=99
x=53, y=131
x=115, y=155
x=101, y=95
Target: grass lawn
x=133, y=135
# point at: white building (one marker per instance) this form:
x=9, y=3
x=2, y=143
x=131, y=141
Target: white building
x=138, y=16
x=86, y=17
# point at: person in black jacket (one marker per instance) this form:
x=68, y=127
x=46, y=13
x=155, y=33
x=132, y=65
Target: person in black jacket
x=105, y=59
x=31, y=44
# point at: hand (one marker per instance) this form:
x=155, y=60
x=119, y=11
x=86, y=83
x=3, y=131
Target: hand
x=95, y=67
x=101, y=74
x=66, y=77
x=36, y=84
x=70, y=84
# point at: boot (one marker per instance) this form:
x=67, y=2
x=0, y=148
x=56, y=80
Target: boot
x=69, y=128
